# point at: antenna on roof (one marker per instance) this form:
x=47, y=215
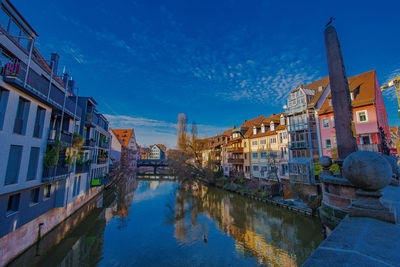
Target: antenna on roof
x=64, y=70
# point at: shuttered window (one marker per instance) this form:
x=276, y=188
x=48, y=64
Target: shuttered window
x=3, y=106
x=39, y=122
x=13, y=164
x=22, y=116
x=33, y=163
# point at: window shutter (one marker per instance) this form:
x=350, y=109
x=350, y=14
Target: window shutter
x=33, y=163
x=13, y=165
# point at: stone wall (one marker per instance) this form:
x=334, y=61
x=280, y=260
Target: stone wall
x=25, y=236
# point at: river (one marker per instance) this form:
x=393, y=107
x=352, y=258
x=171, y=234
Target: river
x=160, y=223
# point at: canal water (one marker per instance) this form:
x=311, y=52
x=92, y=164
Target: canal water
x=162, y=223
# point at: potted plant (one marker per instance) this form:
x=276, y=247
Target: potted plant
x=77, y=140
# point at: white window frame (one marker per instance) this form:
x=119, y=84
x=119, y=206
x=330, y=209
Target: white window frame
x=324, y=120
x=358, y=116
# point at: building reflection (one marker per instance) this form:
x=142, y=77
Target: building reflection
x=83, y=246
x=271, y=235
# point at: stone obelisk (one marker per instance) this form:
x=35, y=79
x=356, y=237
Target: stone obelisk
x=342, y=110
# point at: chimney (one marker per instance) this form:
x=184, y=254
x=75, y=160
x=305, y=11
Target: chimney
x=65, y=77
x=55, y=58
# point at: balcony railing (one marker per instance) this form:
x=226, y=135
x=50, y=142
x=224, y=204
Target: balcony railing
x=104, y=144
x=65, y=138
x=298, y=145
x=90, y=143
x=38, y=87
x=235, y=149
x=368, y=147
x=235, y=161
x=56, y=173
x=85, y=168
x=297, y=127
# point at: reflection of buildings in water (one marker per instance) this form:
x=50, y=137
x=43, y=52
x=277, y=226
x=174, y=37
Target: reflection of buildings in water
x=240, y=219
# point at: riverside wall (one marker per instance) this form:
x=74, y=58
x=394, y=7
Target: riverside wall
x=27, y=235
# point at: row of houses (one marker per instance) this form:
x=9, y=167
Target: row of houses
x=54, y=143
x=287, y=145
x=153, y=152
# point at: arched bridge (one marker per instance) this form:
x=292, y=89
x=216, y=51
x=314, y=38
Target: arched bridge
x=152, y=163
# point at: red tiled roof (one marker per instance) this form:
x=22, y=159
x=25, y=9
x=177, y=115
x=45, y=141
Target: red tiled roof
x=124, y=135
x=363, y=88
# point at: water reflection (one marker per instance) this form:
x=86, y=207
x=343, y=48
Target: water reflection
x=271, y=235
x=160, y=223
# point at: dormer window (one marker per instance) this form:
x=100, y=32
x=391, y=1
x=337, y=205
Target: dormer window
x=272, y=126
x=351, y=96
x=254, y=130
x=263, y=128
x=282, y=120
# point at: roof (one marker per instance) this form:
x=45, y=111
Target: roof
x=253, y=122
x=123, y=135
x=363, y=88
x=227, y=132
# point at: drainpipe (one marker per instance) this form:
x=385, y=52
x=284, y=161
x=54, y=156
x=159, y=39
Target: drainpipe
x=63, y=108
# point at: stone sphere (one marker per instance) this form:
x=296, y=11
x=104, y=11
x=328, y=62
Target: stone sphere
x=367, y=170
x=393, y=162
x=325, y=161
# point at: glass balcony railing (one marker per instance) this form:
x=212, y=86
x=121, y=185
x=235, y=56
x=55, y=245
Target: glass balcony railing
x=56, y=173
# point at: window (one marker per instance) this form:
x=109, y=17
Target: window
x=254, y=143
x=273, y=154
x=13, y=203
x=328, y=144
x=22, y=116
x=362, y=116
x=245, y=155
x=365, y=139
x=47, y=191
x=263, y=141
x=263, y=155
x=330, y=102
x=13, y=165
x=272, y=140
x=255, y=168
x=272, y=126
x=255, y=131
x=3, y=106
x=39, y=122
x=33, y=163
x=35, y=196
x=255, y=155
x=77, y=186
x=325, y=123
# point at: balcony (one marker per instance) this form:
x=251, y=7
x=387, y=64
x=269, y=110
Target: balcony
x=104, y=144
x=298, y=145
x=56, y=173
x=65, y=138
x=84, y=168
x=297, y=127
x=90, y=143
x=90, y=119
x=235, y=161
x=368, y=147
x=235, y=149
x=38, y=87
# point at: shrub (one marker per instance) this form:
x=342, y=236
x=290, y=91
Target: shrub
x=264, y=195
x=241, y=181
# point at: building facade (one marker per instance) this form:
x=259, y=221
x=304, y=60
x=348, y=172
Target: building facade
x=46, y=167
x=130, y=152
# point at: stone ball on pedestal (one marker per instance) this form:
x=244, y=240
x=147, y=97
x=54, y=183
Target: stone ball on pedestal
x=325, y=161
x=367, y=170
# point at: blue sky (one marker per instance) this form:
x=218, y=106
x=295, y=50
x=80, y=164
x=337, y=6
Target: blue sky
x=220, y=62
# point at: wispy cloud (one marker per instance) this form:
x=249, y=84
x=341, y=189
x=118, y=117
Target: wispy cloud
x=72, y=50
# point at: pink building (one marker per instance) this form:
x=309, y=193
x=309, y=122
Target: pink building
x=369, y=114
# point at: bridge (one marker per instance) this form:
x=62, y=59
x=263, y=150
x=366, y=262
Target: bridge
x=155, y=164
